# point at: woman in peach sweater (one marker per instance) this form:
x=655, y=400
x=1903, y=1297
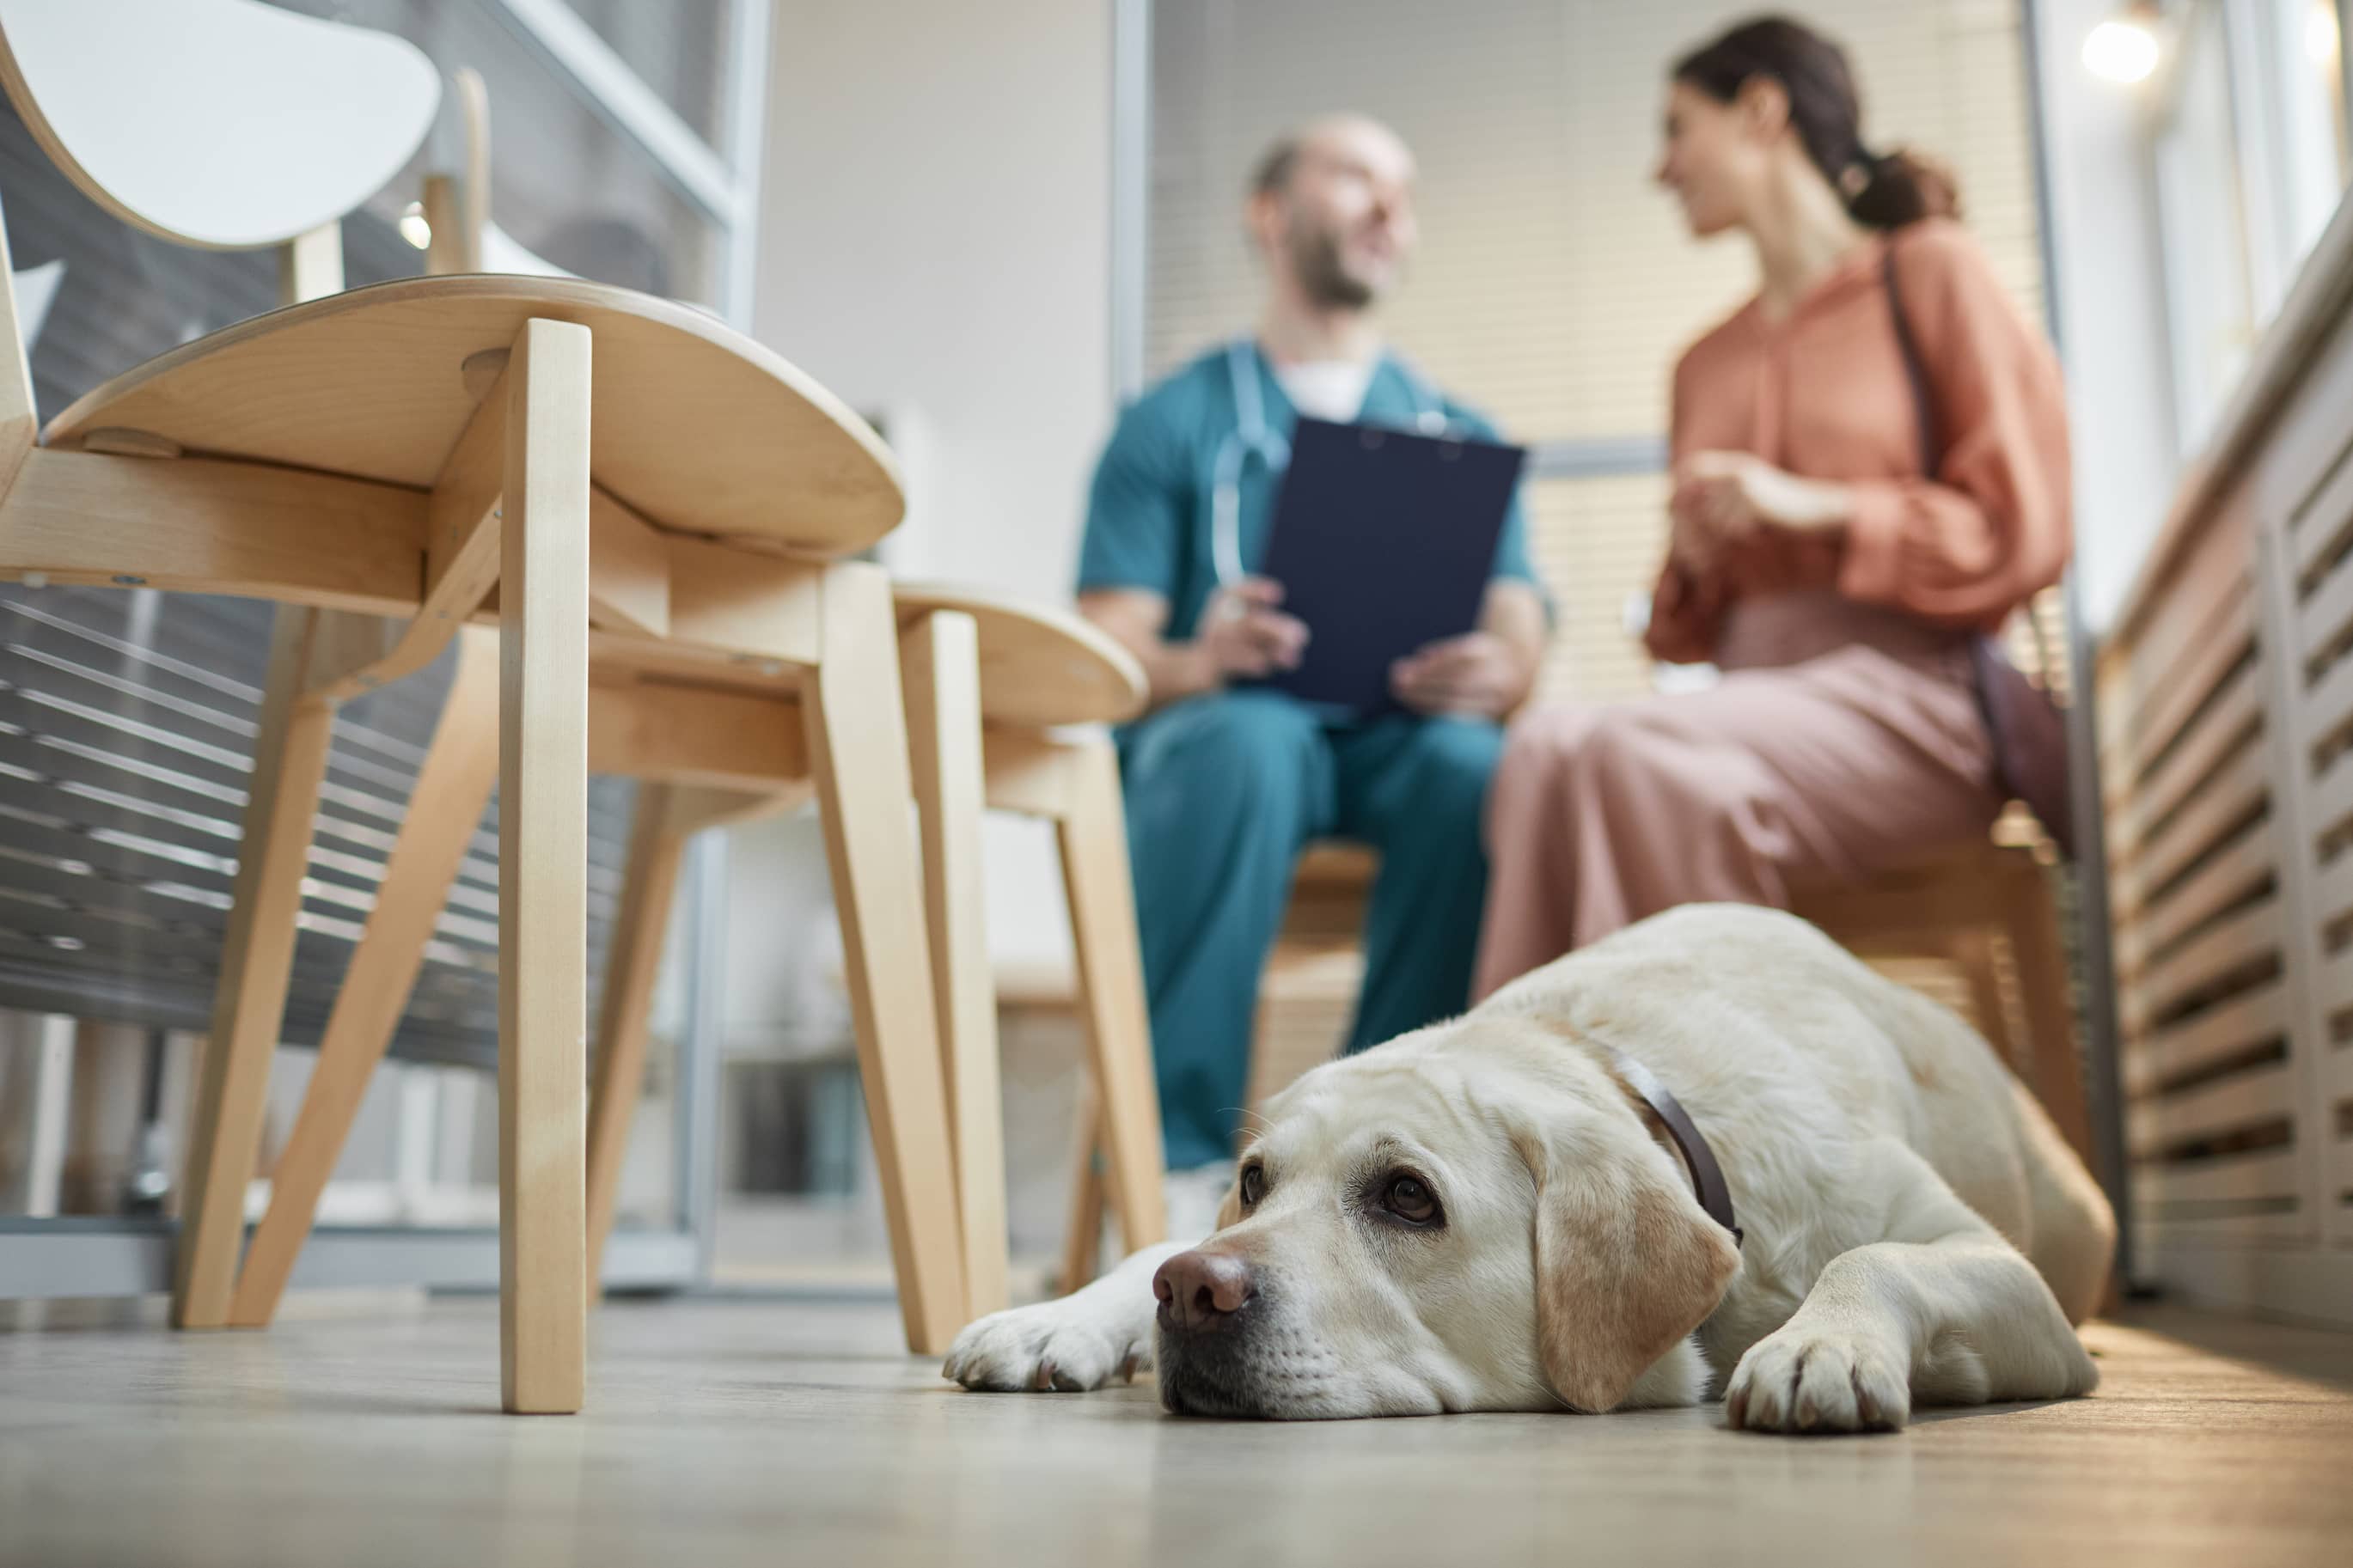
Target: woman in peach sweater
x=1831, y=561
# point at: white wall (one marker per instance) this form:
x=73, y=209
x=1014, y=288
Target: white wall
x=2111, y=306
x=935, y=247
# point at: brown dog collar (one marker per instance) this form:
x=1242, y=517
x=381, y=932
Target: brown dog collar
x=1707, y=1177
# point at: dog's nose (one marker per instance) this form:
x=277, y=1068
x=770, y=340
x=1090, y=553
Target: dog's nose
x=1201, y=1291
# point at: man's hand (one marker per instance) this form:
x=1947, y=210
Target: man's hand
x=1723, y=499
x=1244, y=635
x=1477, y=675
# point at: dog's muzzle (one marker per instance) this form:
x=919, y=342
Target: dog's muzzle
x=1209, y=1304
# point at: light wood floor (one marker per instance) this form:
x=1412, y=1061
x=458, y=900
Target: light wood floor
x=767, y=1432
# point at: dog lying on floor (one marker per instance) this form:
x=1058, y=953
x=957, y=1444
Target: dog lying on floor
x=1533, y=1207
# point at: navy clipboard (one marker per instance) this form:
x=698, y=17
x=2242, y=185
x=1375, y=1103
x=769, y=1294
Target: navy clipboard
x=1384, y=542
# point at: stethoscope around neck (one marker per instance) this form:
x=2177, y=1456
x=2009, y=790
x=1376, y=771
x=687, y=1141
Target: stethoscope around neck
x=1253, y=437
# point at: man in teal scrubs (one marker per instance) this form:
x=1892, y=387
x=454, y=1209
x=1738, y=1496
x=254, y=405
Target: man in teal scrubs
x=1225, y=786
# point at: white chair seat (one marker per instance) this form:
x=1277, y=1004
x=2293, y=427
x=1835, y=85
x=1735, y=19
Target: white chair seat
x=277, y=124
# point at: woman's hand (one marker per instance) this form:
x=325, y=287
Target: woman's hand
x=1723, y=499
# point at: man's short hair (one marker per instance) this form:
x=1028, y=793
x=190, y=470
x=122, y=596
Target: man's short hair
x=1271, y=175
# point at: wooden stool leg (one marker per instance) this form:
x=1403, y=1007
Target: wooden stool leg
x=2037, y=948
x=939, y=657
x=443, y=812
x=542, y=873
x=1081, y=1249
x=631, y=968
x=290, y=760
x=857, y=727
x=1102, y=890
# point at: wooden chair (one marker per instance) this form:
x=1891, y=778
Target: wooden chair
x=433, y=451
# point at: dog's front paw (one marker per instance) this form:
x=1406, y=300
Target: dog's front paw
x=1055, y=1346
x=1817, y=1381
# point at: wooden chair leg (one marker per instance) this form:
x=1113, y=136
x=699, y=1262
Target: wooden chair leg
x=857, y=726
x=668, y=818
x=1102, y=890
x=443, y=812
x=1081, y=1240
x=1973, y=951
x=939, y=658
x=2037, y=948
x=542, y=873
x=289, y=761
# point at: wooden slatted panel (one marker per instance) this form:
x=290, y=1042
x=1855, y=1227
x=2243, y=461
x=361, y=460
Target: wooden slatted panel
x=2321, y=529
x=2214, y=1037
x=2312, y=461
x=2229, y=802
x=2236, y=1179
x=2319, y=544
x=2340, y=1172
x=2235, y=733
x=2201, y=928
x=2225, y=959
x=2186, y=693
x=2245, y=870
x=2207, y=613
x=2220, y=1109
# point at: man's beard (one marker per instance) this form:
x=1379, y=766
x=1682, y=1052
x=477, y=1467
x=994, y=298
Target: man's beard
x=1315, y=260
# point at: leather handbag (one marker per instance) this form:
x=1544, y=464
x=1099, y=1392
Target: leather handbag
x=2027, y=729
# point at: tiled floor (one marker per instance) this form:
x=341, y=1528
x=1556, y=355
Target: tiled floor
x=774, y=1432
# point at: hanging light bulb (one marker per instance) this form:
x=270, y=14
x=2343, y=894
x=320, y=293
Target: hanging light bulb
x=2122, y=48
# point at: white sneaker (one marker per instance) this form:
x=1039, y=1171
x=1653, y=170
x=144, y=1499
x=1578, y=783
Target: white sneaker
x=1194, y=1197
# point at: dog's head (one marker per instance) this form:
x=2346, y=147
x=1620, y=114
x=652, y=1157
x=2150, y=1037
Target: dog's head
x=1473, y=1217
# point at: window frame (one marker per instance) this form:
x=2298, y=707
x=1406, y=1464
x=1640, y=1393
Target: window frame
x=723, y=183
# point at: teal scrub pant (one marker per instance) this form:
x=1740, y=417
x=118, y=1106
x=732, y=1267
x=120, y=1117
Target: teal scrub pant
x=1222, y=794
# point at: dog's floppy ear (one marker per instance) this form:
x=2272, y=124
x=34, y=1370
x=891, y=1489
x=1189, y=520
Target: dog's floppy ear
x=1628, y=1263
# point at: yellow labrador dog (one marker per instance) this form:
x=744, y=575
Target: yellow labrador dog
x=1534, y=1207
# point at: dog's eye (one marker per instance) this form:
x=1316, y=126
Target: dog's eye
x=1253, y=1185
x=1409, y=1199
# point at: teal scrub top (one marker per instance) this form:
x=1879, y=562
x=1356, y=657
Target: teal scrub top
x=1148, y=514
